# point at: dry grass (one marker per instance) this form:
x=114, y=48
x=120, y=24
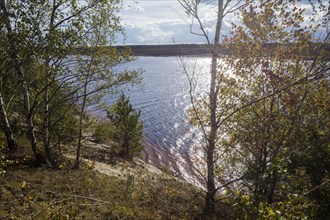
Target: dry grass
x=43, y=193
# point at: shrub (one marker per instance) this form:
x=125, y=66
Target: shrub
x=102, y=132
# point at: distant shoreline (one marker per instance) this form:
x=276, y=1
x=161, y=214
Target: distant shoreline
x=168, y=50
x=203, y=50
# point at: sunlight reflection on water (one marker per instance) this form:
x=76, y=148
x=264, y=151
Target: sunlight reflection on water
x=163, y=102
x=164, y=98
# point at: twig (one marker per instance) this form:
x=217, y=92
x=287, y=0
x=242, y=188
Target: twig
x=34, y=217
x=305, y=194
x=62, y=194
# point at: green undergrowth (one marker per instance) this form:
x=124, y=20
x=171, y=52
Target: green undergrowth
x=41, y=193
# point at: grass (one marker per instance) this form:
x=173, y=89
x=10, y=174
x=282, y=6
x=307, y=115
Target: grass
x=28, y=192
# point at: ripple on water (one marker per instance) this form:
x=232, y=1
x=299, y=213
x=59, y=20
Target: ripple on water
x=163, y=103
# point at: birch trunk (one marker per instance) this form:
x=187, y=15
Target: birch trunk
x=21, y=75
x=51, y=156
x=45, y=128
x=211, y=189
x=11, y=144
x=77, y=161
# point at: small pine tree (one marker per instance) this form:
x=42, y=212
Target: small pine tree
x=127, y=129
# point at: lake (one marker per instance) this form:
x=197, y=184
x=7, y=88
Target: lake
x=163, y=102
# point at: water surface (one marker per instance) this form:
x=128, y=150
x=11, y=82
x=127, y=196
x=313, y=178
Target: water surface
x=163, y=102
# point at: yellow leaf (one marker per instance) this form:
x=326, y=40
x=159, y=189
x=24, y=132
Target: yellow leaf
x=24, y=186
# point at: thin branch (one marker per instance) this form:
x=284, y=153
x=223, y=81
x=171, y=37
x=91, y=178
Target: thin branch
x=191, y=9
x=36, y=186
x=78, y=13
x=231, y=181
x=268, y=96
x=200, y=122
x=303, y=195
x=235, y=8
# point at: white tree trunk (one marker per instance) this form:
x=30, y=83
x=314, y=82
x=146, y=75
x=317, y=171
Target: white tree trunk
x=21, y=75
x=211, y=189
x=11, y=144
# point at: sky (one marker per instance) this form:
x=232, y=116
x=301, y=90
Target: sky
x=165, y=22
x=161, y=22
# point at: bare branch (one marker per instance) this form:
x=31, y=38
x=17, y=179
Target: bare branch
x=278, y=91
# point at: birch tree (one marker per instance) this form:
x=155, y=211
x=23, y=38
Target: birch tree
x=4, y=119
x=228, y=94
x=12, y=39
x=210, y=127
x=5, y=125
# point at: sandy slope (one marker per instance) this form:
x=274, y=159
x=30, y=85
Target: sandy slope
x=97, y=157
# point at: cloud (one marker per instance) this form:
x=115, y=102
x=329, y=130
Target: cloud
x=165, y=21
x=161, y=33
x=162, y=22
